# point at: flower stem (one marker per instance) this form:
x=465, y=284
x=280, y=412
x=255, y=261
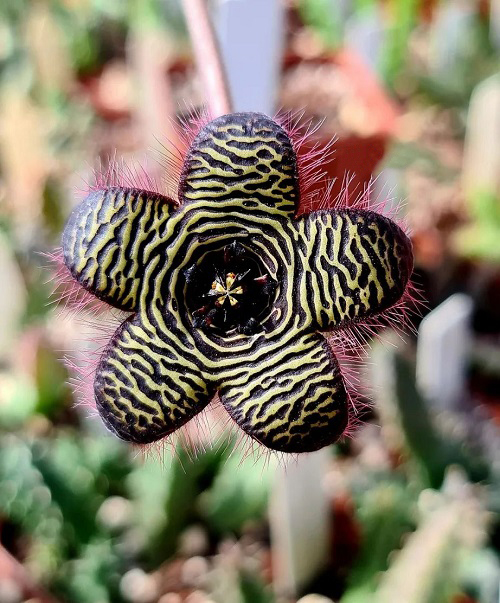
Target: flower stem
x=207, y=57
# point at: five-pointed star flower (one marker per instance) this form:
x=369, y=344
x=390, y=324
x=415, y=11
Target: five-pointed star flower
x=229, y=291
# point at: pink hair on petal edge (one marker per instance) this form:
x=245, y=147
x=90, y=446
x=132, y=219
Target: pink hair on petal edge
x=96, y=317
x=312, y=155
x=348, y=343
x=72, y=299
x=113, y=172
x=67, y=293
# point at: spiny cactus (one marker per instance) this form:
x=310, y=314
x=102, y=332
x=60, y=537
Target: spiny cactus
x=427, y=569
x=386, y=513
x=406, y=415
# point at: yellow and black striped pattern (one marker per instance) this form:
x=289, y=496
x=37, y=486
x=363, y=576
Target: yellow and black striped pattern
x=281, y=385
x=359, y=263
x=250, y=159
x=108, y=239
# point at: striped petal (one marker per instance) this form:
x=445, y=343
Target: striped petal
x=292, y=401
x=356, y=264
x=144, y=389
x=109, y=239
x=243, y=156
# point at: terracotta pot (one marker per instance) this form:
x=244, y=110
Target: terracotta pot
x=355, y=157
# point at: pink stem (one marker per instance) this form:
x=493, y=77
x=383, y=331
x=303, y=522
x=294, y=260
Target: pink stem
x=207, y=56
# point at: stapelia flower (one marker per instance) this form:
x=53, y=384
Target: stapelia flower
x=230, y=291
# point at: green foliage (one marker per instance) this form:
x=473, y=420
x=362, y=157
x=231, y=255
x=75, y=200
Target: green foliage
x=434, y=452
x=26, y=501
x=51, y=489
x=473, y=62
x=253, y=590
x=428, y=568
x=403, y=155
x=66, y=474
x=51, y=382
x=92, y=576
x=404, y=19
x=39, y=290
x=479, y=239
x=221, y=489
x=52, y=208
x=238, y=494
x=362, y=5
x=386, y=510
x=166, y=496
x=481, y=576
x=45, y=392
x=324, y=19
x=19, y=400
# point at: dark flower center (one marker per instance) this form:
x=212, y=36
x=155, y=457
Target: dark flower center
x=229, y=289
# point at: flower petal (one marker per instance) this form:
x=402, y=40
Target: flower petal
x=357, y=264
x=145, y=389
x=292, y=401
x=242, y=156
x=108, y=239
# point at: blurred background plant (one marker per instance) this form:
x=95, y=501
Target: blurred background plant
x=411, y=90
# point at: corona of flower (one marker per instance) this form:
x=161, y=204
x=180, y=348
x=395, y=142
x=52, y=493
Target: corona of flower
x=230, y=292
